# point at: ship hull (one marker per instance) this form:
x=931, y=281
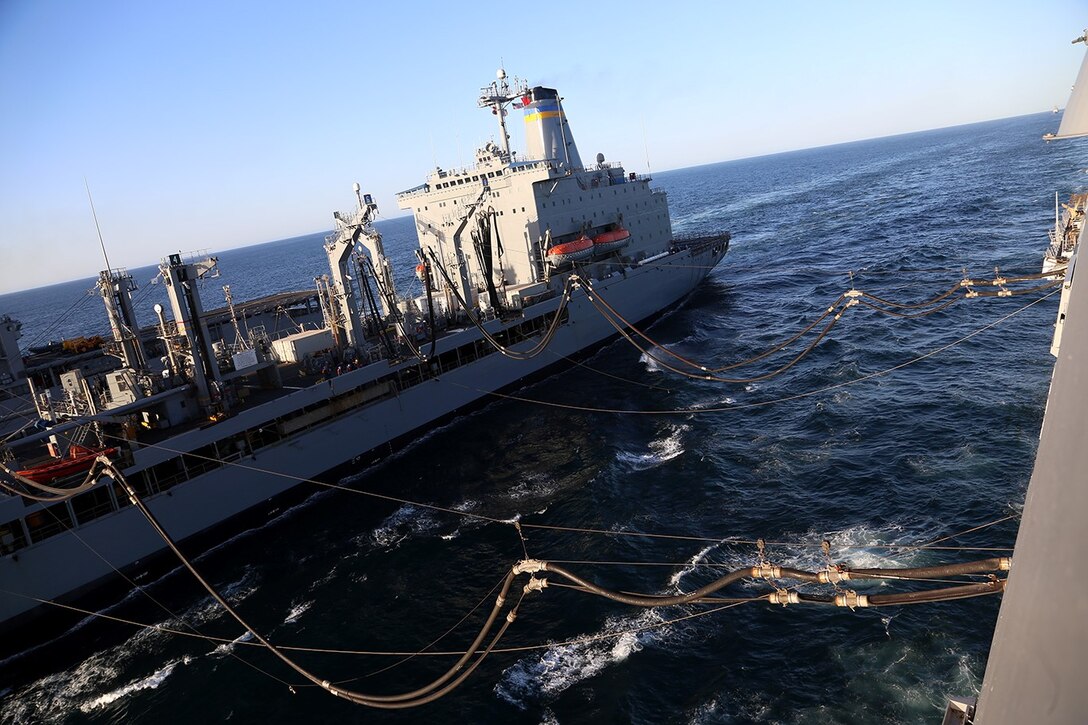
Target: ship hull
x=72, y=563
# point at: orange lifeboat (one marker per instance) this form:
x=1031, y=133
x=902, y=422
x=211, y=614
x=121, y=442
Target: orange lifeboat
x=78, y=460
x=580, y=248
x=610, y=241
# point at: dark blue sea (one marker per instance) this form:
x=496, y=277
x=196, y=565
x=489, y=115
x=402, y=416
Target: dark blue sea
x=928, y=450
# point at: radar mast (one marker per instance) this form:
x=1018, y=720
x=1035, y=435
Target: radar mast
x=496, y=96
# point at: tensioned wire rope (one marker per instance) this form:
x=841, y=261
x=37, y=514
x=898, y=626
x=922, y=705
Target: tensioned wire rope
x=763, y=403
x=842, y=303
x=976, y=528
x=136, y=586
x=431, y=692
x=376, y=653
x=653, y=535
x=522, y=523
x=699, y=596
x=687, y=411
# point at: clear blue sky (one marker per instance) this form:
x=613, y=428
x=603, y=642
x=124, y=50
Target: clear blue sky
x=210, y=125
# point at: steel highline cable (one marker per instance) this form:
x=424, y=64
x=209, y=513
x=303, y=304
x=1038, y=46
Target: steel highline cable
x=832, y=575
x=383, y=653
x=144, y=592
x=114, y=473
x=524, y=524
x=607, y=312
x=943, y=570
x=434, y=690
x=842, y=303
x=758, y=404
x=438, y=687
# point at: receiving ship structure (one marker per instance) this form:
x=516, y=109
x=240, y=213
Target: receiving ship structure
x=1068, y=225
x=1038, y=664
x=211, y=413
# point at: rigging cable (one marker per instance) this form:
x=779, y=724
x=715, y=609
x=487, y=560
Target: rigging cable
x=527, y=525
x=434, y=690
x=852, y=297
x=142, y=590
x=606, y=313
x=763, y=403
x=62, y=316
x=544, y=341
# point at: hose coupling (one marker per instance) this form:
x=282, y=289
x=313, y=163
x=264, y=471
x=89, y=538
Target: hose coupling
x=768, y=571
x=834, y=575
x=1004, y=563
x=530, y=566
x=851, y=599
x=783, y=597
x=535, y=585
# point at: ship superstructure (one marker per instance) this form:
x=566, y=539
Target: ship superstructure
x=214, y=413
x=527, y=207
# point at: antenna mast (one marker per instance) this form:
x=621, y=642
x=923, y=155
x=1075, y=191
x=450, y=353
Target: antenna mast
x=101, y=242
x=495, y=96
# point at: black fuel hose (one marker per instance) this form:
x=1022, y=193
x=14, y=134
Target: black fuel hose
x=938, y=595
x=649, y=600
x=982, y=566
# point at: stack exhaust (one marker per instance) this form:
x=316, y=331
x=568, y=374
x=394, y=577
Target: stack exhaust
x=547, y=133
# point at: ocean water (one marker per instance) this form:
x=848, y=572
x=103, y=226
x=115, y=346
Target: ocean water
x=923, y=452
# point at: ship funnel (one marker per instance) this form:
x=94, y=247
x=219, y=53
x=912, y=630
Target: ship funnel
x=547, y=133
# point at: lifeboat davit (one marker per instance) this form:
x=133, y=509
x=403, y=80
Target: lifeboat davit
x=78, y=460
x=611, y=241
x=580, y=248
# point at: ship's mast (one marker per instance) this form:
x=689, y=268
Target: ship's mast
x=496, y=96
x=116, y=288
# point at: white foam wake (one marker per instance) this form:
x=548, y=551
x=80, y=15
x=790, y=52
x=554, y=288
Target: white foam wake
x=151, y=682
x=543, y=676
x=297, y=611
x=659, y=450
x=558, y=668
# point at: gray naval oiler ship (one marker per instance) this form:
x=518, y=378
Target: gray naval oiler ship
x=209, y=422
